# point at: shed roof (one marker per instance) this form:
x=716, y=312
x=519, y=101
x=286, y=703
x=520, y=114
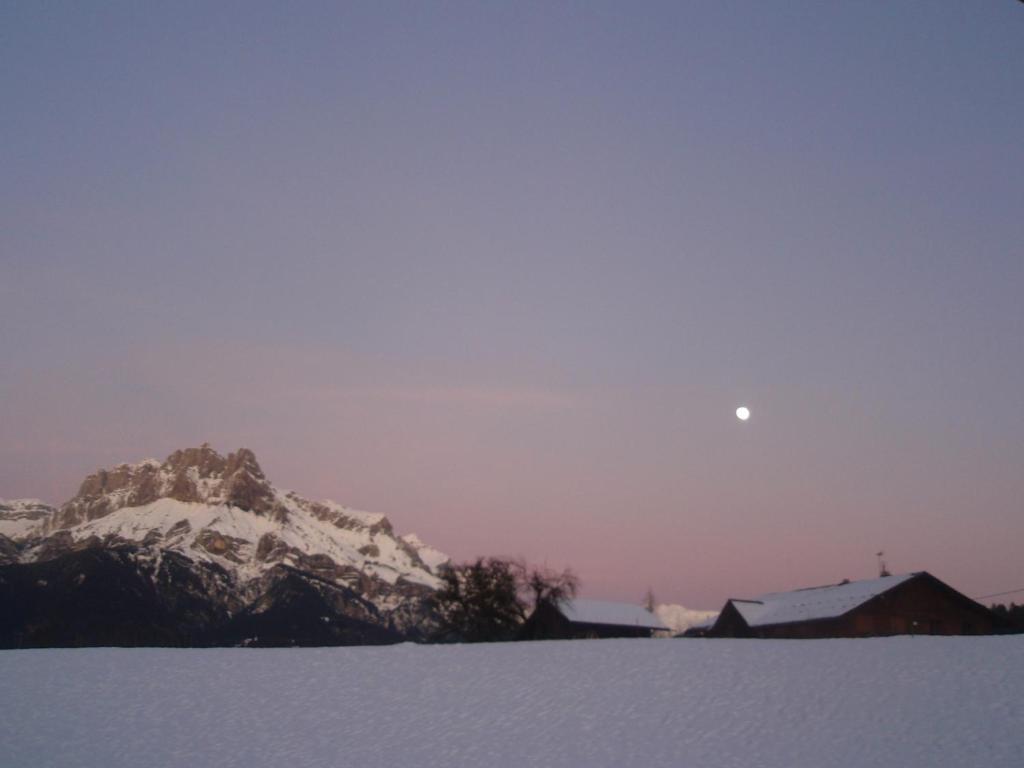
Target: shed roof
x=614, y=614
x=826, y=602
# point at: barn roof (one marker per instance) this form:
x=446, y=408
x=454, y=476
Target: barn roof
x=614, y=614
x=814, y=603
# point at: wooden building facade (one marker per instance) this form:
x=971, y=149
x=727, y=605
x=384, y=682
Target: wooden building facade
x=909, y=604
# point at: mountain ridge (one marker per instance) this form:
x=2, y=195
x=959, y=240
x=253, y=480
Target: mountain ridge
x=215, y=527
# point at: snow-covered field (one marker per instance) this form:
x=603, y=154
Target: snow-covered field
x=885, y=702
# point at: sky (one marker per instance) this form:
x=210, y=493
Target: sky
x=505, y=273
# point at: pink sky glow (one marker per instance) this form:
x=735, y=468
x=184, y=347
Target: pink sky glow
x=505, y=272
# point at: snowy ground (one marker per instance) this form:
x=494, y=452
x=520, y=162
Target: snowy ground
x=886, y=702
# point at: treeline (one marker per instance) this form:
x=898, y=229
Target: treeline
x=489, y=600
x=1012, y=616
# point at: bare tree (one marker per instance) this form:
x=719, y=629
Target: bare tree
x=546, y=586
x=488, y=599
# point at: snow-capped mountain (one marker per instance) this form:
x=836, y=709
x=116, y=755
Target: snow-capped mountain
x=218, y=525
x=679, y=618
x=24, y=518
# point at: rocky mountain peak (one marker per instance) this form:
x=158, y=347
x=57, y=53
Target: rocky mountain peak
x=246, y=487
x=243, y=460
x=193, y=475
x=210, y=530
x=206, y=461
x=121, y=477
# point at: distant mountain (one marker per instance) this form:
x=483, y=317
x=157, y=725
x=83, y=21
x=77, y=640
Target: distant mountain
x=23, y=518
x=201, y=549
x=678, y=618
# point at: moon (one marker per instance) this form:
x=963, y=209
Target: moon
x=743, y=413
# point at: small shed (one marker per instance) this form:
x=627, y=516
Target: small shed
x=907, y=604
x=578, y=619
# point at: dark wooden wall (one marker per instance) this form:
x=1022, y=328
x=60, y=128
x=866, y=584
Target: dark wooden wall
x=922, y=605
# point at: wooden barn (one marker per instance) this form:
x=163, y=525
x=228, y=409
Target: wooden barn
x=579, y=619
x=909, y=604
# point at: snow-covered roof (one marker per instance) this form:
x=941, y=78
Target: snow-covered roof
x=605, y=612
x=814, y=603
x=705, y=624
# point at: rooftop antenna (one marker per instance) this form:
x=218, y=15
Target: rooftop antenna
x=883, y=571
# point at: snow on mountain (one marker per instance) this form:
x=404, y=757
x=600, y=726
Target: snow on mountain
x=222, y=512
x=24, y=518
x=248, y=544
x=434, y=559
x=678, y=618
